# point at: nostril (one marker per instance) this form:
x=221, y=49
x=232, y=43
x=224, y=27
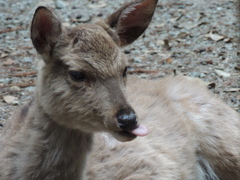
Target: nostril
x=127, y=119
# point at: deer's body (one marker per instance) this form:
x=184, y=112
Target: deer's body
x=82, y=89
x=193, y=136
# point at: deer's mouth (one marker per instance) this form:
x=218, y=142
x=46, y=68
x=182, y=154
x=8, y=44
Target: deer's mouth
x=123, y=136
x=130, y=135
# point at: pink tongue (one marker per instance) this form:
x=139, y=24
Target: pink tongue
x=140, y=131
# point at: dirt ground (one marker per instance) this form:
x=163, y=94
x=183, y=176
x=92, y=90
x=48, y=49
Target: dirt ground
x=197, y=38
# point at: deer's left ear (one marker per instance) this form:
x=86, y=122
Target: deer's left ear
x=130, y=21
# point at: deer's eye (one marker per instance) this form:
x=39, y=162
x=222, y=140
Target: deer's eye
x=77, y=75
x=125, y=71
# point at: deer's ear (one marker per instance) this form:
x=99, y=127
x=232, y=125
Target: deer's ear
x=45, y=30
x=131, y=20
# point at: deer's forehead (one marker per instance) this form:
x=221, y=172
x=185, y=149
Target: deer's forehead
x=92, y=46
x=92, y=38
x=97, y=65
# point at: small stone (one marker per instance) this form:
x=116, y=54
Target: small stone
x=127, y=51
x=84, y=19
x=100, y=4
x=237, y=68
x=195, y=74
x=79, y=16
x=202, y=75
x=27, y=60
x=100, y=14
x=60, y=4
x=15, y=88
x=15, y=103
x=222, y=73
x=8, y=62
x=30, y=88
x=137, y=60
x=5, y=81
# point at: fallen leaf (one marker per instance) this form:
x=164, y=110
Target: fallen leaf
x=222, y=73
x=9, y=99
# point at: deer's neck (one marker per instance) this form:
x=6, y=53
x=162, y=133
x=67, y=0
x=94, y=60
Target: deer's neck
x=53, y=151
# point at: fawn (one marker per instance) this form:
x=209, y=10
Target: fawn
x=85, y=109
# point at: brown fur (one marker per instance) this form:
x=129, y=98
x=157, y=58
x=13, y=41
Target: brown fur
x=193, y=136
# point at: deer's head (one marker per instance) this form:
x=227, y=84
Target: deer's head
x=82, y=83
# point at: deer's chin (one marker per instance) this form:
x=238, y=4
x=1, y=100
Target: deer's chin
x=123, y=136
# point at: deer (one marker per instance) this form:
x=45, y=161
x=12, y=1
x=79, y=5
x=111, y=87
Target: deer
x=87, y=113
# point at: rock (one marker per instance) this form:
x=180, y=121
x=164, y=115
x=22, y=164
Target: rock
x=60, y=4
x=202, y=75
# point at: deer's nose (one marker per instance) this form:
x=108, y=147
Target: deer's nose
x=127, y=119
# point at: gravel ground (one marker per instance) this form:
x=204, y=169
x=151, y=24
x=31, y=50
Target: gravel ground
x=197, y=38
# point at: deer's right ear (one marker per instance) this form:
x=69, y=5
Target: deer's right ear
x=45, y=30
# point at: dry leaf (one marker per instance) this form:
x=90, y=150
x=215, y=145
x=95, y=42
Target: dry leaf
x=166, y=44
x=9, y=99
x=215, y=37
x=169, y=60
x=222, y=73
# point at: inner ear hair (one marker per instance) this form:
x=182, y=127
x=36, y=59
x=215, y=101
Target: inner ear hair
x=46, y=30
